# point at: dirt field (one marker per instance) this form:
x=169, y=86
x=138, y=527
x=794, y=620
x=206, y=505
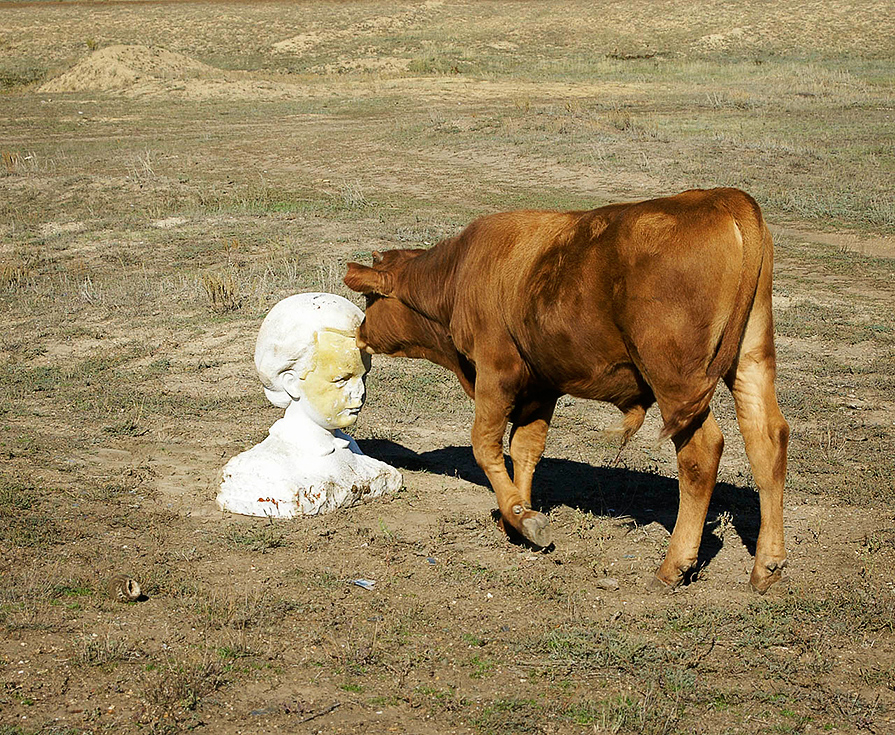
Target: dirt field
x=170, y=170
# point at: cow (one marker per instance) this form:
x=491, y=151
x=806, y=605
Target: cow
x=633, y=304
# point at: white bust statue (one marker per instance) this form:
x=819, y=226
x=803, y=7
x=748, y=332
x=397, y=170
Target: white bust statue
x=309, y=364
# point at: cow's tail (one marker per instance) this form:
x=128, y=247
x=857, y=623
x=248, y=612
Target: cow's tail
x=754, y=233
x=756, y=238
x=628, y=426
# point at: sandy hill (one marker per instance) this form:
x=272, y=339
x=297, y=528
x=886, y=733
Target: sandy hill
x=126, y=67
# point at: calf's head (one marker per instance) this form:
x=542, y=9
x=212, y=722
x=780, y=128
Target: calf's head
x=390, y=327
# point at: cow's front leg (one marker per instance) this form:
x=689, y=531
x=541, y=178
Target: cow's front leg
x=527, y=439
x=492, y=410
x=698, y=455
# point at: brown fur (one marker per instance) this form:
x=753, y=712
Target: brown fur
x=631, y=304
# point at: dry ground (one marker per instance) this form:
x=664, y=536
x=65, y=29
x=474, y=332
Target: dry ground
x=171, y=170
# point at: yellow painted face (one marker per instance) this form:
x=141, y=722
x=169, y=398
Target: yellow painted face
x=334, y=390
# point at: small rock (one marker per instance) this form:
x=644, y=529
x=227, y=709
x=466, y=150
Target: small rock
x=608, y=583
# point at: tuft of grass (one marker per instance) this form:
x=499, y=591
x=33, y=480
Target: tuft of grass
x=258, y=539
x=513, y=715
x=16, y=72
x=103, y=652
x=589, y=649
x=10, y=161
x=223, y=291
x=13, y=277
x=236, y=613
x=22, y=524
x=16, y=496
x=176, y=688
x=132, y=425
x=649, y=714
x=352, y=196
x=620, y=118
x=141, y=167
x=440, y=63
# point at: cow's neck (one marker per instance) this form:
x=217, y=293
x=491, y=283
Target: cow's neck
x=426, y=283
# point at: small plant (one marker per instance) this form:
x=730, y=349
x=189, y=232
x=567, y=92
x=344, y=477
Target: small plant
x=482, y=667
x=222, y=291
x=91, y=293
x=176, y=687
x=353, y=196
x=10, y=161
x=260, y=539
x=620, y=119
x=104, y=651
x=13, y=277
x=142, y=167
x=472, y=640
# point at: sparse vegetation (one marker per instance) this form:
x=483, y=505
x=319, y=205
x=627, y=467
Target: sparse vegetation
x=222, y=291
x=17, y=71
x=259, y=539
x=166, y=176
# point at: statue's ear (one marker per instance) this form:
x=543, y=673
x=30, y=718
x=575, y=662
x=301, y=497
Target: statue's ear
x=291, y=383
x=364, y=279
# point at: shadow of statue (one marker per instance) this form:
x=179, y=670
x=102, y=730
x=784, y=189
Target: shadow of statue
x=645, y=497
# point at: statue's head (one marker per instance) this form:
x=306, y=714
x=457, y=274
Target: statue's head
x=307, y=353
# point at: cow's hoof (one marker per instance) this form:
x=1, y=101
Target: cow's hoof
x=536, y=528
x=673, y=574
x=660, y=586
x=765, y=575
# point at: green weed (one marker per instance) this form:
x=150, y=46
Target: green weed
x=258, y=539
x=16, y=71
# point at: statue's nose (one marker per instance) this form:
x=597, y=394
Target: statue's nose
x=358, y=392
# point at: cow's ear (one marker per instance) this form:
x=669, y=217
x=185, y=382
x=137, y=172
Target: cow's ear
x=377, y=257
x=363, y=279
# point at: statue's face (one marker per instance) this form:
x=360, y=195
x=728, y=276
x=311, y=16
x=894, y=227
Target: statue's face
x=333, y=392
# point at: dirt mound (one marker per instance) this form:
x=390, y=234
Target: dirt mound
x=123, y=67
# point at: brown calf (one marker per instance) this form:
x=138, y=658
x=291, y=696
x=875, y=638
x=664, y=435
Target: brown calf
x=632, y=304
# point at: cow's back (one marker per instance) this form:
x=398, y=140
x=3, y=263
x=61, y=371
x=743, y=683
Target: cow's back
x=598, y=301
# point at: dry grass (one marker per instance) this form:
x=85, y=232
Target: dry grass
x=222, y=291
x=13, y=277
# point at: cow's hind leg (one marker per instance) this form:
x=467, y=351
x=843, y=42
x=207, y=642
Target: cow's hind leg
x=766, y=435
x=492, y=411
x=698, y=453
